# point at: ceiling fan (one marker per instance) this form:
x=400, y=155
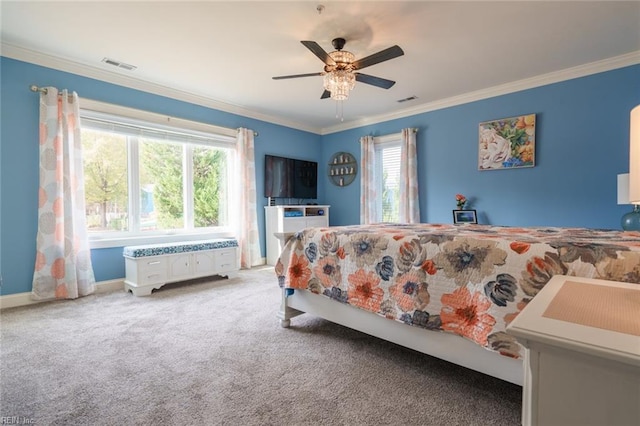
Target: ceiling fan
x=340, y=68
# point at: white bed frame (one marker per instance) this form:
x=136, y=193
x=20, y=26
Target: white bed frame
x=446, y=346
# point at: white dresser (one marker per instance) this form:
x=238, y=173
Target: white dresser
x=583, y=358
x=288, y=220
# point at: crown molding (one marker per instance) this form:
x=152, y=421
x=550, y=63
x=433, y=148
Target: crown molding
x=61, y=64
x=609, y=64
x=85, y=70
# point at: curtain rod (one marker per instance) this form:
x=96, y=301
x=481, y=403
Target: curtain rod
x=44, y=90
x=392, y=135
x=413, y=129
x=254, y=132
x=35, y=88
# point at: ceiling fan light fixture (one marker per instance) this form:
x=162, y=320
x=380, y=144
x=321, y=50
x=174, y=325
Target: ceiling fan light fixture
x=339, y=83
x=340, y=68
x=339, y=79
x=342, y=57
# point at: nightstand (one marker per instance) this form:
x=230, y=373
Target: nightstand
x=583, y=353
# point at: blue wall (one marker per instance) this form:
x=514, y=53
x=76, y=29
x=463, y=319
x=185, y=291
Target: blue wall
x=582, y=142
x=19, y=159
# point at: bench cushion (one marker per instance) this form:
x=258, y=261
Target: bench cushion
x=182, y=247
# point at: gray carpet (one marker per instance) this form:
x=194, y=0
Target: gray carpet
x=211, y=352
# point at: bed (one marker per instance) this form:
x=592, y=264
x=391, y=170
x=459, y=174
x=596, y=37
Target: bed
x=445, y=290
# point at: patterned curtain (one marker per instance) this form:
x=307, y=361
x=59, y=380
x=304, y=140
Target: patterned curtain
x=247, y=223
x=409, y=202
x=368, y=205
x=63, y=267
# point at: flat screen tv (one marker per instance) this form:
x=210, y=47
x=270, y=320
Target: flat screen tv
x=290, y=178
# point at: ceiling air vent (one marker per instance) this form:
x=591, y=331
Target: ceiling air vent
x=119, y=64
x=410, y=98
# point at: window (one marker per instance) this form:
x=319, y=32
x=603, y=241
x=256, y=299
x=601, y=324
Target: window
x=145, y=180
x=388, y=177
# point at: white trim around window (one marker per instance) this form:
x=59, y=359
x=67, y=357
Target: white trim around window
x=152, y=117
x=134, y=122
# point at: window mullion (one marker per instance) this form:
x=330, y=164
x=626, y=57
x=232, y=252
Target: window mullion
x=134, y=184
x=187, y=187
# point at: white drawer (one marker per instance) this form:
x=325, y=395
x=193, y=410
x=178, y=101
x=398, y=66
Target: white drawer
x=153, y=263
x=225, y=260
x=152, y=277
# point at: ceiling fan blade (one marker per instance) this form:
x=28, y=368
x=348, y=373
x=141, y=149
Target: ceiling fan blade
x=374, y=81
x=326, y=94
x=312, y=74
x=318, y=51
x=383, y=55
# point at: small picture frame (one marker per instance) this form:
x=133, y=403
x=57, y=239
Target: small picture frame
x=464, y=216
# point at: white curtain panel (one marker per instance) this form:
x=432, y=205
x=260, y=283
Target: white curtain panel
x=409, y=202
x=247, y=225
x=63, y=267
x=368, y=191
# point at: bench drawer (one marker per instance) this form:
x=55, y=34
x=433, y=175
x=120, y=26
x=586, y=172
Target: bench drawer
x=152, y=277
x=153, y=264
x=225, y=260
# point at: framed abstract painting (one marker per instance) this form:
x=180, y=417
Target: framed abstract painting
x=508, y=143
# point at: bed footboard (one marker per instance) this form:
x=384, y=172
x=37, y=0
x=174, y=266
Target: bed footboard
x=447, y=346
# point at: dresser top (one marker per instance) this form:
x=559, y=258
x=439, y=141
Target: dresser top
x=597, y=317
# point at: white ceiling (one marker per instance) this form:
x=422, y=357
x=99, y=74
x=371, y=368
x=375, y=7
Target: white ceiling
x=223, y=54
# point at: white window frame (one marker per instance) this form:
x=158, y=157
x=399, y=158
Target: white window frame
x=381, y=143
x=224, y=138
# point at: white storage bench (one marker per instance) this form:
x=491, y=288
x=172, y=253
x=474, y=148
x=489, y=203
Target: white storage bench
x=151, y=266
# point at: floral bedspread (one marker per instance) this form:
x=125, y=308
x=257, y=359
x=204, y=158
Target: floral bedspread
x=471, y=280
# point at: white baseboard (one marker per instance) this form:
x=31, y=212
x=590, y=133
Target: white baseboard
x=24, y=299
x=18, y=299
x=110, y=285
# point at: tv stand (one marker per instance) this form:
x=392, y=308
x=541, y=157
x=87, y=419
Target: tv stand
x=288, y=219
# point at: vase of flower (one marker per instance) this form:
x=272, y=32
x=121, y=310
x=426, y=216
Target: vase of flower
x=461, y=200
